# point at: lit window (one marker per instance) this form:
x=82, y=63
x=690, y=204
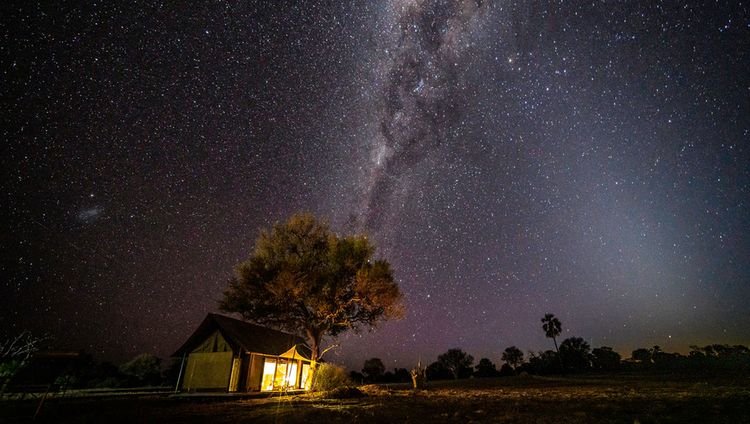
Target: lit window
x=269, y=369
x=303, y=377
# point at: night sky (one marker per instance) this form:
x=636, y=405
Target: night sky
x=510, y=159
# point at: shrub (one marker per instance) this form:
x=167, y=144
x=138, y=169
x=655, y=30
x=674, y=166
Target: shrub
x=329, y=377
x=143, y=369
x=9, y=368
x=67, y=381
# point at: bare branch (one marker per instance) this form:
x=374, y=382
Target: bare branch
x=333, y=346
x=21, y=346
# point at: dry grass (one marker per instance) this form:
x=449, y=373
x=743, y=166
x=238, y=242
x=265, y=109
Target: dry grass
x=509, y=400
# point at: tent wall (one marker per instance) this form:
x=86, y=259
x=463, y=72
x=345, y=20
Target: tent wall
x=234, y=380
x=255, y=374
x=213, y=343
x=208, y=371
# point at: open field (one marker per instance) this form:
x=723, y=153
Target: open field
x=625, y=399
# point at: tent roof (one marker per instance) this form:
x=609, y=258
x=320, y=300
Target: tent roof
x=245, y=336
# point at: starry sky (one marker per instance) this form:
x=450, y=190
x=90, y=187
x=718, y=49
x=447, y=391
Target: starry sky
x=509, y=158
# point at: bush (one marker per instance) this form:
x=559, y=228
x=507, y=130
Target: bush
x=329, y=377
x=67, y=381
x=144, y=369
x=10, y=368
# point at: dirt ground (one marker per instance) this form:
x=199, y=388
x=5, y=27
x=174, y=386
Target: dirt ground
x=621, y=399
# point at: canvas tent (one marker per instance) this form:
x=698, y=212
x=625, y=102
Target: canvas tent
x=226, y=354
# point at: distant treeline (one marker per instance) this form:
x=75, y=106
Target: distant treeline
x=575, y=357
x=82, y=372
x=143, y=370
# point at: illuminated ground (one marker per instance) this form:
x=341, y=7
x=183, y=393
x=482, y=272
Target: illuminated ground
x=512, y=400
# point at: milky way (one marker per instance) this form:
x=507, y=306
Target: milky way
x=422, y=74
x=509, y=159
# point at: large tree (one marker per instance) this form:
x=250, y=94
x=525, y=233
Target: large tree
x=373, y=369
x=575, y=353
x=552, y=328
x=513, y=356
x=485, y=368
x=457, y=362
x=605, y=359
x=642, y=355
x=303, y=278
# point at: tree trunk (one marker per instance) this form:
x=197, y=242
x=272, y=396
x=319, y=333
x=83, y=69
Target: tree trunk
x=418, y=377
x=314, y=356
x=559, y=358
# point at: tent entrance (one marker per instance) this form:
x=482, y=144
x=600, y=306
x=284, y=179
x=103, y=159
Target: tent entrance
x=280, y=374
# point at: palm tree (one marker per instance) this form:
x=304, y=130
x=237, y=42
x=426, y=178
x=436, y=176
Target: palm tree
x=552, y=328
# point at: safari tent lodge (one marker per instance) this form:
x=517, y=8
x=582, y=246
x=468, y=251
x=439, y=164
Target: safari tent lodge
x=226, y=354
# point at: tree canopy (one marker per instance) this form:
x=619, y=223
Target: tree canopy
x=485, y=368
x=605, y=359
x=552, y=327
x=303, y=278
x=373, y=369
x=575, y=353
x=456, y=361
x=513, y=356
x=642, y=355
